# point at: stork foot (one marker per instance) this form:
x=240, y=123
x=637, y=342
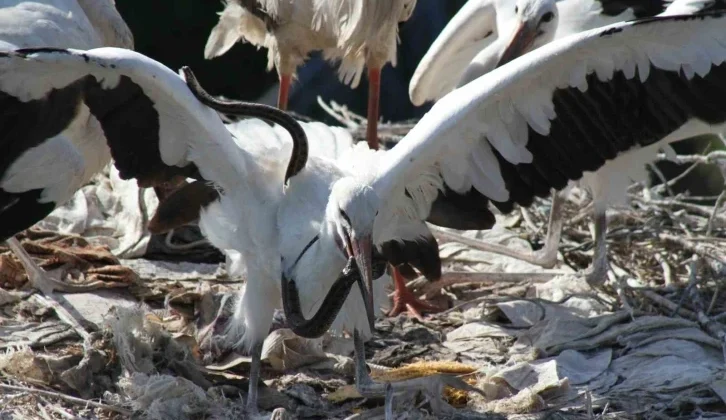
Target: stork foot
x=597, y=274
x=405, y=301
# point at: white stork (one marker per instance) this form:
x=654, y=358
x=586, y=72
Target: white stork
x=606, y=185
x=554, y=115
x=534, y=124
x=47, y=158
x=478, y=35
x=156, y=129
x=359, y=33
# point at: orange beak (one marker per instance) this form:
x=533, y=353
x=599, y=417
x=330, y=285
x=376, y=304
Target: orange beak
x=362, y=252
x=521, y=42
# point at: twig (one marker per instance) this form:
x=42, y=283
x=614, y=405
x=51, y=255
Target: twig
x=667, y=304
x=719, y=202
x=689, y=246
x=676, y=179
x=662, y=179
x=690, y=207
x=58, y=410
x=527, y=216
x=71, y=399
x=668, y=278
x=351, y=125
x=711, y=157
x=457, y=277
x=713, y=300
x=692, y=280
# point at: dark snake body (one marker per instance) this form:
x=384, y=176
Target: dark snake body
x=299, y=156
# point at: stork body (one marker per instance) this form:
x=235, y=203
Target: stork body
x=357, y=33
x=46, y=158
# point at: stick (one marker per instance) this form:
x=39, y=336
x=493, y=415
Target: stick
x=458, y=277
x=689, y=246
x=71, y=399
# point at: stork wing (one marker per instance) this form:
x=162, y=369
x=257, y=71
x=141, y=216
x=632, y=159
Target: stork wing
x=685, y=7
x=152, y=122
x=639, y=8
x=472, y=29
x=566, y=108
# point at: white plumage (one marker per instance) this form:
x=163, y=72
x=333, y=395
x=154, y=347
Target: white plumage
x=64, y=163
x=357, y=33
x=473, y=41
x=42, y=167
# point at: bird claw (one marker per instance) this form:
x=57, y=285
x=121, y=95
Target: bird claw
x=405, y=301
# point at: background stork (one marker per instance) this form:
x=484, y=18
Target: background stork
x=358, y=33
x=478, y=35
x=549, y=117
x=47, y=157
x=608, y=184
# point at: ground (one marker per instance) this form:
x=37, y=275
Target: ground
x=537, y=343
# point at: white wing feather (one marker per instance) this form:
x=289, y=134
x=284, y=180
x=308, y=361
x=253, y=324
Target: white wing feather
x=472, y=29
x=456, y=134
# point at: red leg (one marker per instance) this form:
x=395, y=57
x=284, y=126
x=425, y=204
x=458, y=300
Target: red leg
x=284, y=92
x=405, y=301
x=374, y=89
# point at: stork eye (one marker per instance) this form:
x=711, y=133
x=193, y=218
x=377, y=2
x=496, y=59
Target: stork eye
x=516, y=9
x=548, y=17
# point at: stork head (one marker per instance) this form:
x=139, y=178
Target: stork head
x=350, y=215
x=535, y=25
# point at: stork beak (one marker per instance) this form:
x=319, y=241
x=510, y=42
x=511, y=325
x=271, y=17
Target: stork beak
x=521, y=42
x=362, y=251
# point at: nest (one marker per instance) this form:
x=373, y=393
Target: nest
x=537, y=343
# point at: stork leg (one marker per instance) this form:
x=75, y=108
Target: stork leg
x=374, y=91
x=432, y=386
x=43, y=281
x=284, y=92
x=597, y=273
x=254, y=378
x=405, y=301
x=545, y=257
